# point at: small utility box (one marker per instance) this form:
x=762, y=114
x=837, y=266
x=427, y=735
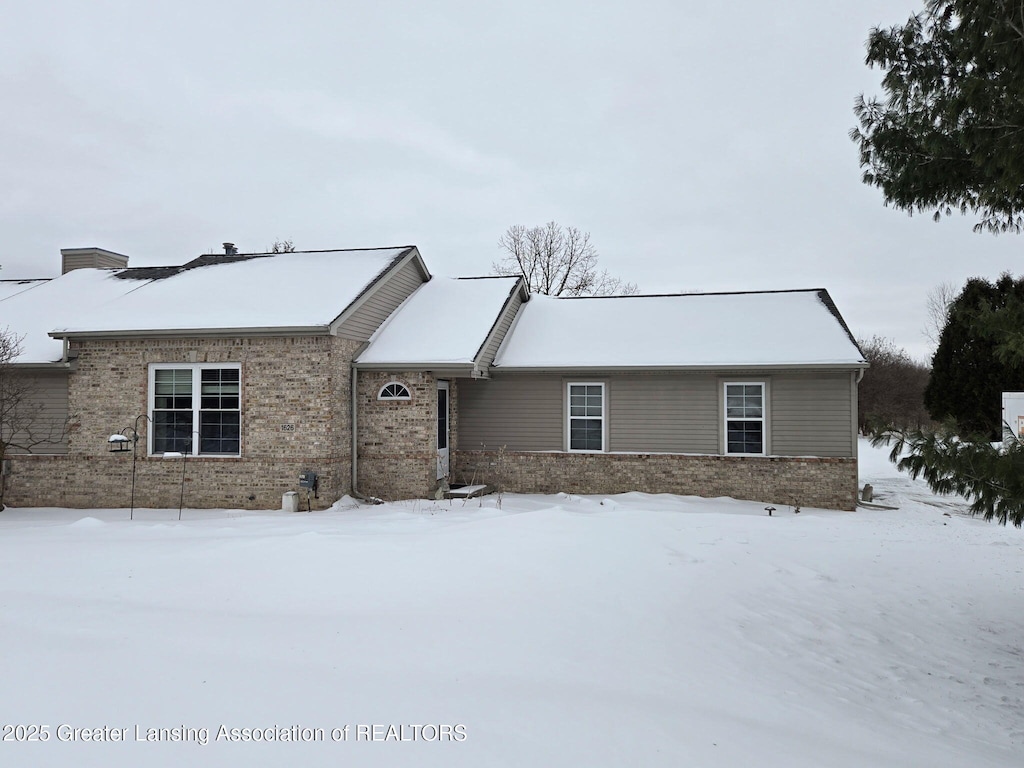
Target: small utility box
x=290, y=502
x=1013, y=415
x=308, y=480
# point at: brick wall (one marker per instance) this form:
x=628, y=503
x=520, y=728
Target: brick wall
x=830, y=483
x=295, y=416
x=398, y=439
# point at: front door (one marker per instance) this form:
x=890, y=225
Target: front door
x=442, y=430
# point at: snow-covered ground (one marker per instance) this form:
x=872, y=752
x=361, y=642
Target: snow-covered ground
x=550, y=631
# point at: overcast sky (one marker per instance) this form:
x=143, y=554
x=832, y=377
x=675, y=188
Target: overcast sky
x=703, y=145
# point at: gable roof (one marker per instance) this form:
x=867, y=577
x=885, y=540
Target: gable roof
x=709, y=330
x=244, y=293
x=302, y=289
x=447, y=321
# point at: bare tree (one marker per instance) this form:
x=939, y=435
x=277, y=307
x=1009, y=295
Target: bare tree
x=557, y=261
x=940, y=297
x=25, y=423
x=891, y=394
x=282, y=246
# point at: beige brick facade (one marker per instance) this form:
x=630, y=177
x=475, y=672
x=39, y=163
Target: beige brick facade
x=398, y=439
x=830, y=483
x=295, y=416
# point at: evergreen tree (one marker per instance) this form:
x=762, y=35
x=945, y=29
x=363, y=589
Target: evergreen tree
x=947, y=135
x=990, y=477
x=974, y=362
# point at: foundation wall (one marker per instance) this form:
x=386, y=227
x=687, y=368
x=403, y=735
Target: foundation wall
x=830, y=483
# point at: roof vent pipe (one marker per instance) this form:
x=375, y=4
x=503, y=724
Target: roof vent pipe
x=229, y=249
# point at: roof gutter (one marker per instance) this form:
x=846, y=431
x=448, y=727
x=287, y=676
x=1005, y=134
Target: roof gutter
x=708, y=368
x=286, y=330
x=60, y=365
x=461, y=368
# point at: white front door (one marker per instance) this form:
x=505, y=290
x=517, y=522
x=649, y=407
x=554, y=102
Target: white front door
x=443, y=465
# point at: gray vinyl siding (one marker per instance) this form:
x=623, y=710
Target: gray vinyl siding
x=511, y=310
x=811, y=415
x=663, y=413
x=521, y=413
x=47, y=401
x=383, y=299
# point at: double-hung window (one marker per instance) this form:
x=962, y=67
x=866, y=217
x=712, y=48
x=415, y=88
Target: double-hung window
x=744, y=418
x=195, y=409
x=586, y=425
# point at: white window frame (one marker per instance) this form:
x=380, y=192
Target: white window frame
x=195, y=368
x=763, y=419
x=408, y=393
x=569, y=417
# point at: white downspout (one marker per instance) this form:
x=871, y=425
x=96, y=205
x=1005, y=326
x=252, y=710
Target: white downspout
x=856, y=430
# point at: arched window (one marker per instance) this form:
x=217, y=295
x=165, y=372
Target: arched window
x=394, y=390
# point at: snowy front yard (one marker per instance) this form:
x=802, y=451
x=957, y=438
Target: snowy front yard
x=554, y=631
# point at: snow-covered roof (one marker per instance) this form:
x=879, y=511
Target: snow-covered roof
x=9, y=288
x=690, y=330
x=283, y=290
x=306, y=289
x=446, y=320
x=32, y=313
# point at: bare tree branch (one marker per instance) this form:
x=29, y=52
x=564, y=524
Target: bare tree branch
x=940, y=297
x=557, y=261
x=25, y=422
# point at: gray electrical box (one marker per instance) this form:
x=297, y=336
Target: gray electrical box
x=307, y=479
